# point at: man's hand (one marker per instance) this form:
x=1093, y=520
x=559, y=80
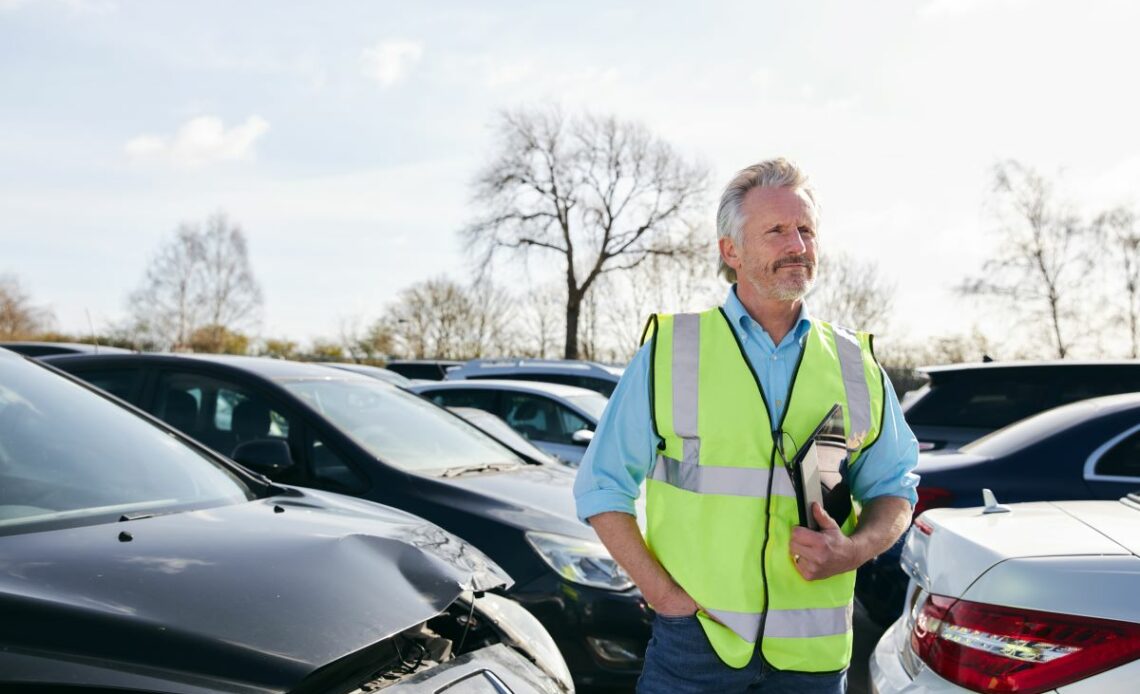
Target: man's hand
x=829, y=552
x=824, y=553
x=675, y=603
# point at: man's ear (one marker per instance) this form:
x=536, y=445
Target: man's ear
x=728, y=252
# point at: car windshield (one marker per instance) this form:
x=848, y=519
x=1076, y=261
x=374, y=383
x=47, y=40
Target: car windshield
x=1028, y=431
x=593, y=404
x=71, y=457
x=400, y=428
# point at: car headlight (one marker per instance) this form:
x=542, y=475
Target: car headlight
x=580, y=561
x=527, y=634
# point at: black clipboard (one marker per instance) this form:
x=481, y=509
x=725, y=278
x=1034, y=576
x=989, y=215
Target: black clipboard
x=818, y=471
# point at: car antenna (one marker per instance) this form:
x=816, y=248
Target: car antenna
x=991, y=502
x=91, y=327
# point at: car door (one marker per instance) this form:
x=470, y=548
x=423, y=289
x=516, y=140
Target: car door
x=223, y=411
x=1113, y=469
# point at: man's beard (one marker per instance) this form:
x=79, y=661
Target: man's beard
x=788, y=287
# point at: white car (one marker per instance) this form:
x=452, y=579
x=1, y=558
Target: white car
x=1033, y=597
x=556, y=418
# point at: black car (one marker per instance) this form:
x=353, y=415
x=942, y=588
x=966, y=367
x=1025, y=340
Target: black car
x=1085, y=450
x=134, y=559
x=423, y=369
x=963, y=402
x=313, y=426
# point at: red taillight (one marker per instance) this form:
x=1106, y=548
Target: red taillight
x=923, y=526
x=989, y=648
x=932, y=497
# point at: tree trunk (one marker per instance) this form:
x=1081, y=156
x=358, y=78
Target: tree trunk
x=573, y=311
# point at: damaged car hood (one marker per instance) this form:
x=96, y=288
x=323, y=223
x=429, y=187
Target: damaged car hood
x=259, y=594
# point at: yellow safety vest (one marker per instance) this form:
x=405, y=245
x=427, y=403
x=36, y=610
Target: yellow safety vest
x=720, y=505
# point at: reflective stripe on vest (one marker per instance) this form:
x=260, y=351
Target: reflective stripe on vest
x=717, y=476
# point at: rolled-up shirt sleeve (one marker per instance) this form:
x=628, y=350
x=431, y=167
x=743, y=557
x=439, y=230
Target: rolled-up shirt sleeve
x=622, y=451
x=887, y=467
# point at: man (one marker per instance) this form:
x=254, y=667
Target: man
x=707, y=414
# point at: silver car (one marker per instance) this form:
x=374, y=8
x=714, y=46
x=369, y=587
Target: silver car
x=1033, y=597
x=558, y=419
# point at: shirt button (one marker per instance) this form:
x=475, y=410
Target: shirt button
x=773, y=357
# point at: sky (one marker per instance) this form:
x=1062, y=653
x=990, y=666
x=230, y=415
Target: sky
x=344, y=137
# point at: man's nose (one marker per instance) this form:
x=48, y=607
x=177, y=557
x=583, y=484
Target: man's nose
x=796, y=243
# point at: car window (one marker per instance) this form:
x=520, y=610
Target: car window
x=982, y=403
x=994, y=398
x=219, y=413
x=69, y=456
x=122, y=383
x=593, y=404
x=397, y=427
x=329, y=469
x=535, y=417
x=1122, y=460
x=571, y=422
x=465, y=397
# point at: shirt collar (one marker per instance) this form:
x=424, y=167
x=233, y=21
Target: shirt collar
x=744, y=324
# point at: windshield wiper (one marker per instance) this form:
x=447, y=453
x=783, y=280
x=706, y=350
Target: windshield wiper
x=482, y=467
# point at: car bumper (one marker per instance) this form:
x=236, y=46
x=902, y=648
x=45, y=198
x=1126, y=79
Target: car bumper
x=601, y=634
x=492, y=669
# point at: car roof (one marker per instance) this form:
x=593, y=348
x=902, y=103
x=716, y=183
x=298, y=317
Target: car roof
x=555, y=389
x=539, y=366
x=1021, y=364
x=266, y=367
x=64, y=347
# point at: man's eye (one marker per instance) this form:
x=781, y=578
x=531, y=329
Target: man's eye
x=807, y=231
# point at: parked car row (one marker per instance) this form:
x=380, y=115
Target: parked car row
x=338, y=431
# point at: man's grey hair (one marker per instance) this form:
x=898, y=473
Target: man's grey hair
x=772, y=173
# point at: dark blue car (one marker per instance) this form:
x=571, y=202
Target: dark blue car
x=1084, y=450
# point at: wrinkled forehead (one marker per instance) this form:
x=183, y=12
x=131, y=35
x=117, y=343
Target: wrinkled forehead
x=787, y=205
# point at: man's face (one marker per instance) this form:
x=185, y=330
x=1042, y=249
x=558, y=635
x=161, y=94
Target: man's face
x=776, y=255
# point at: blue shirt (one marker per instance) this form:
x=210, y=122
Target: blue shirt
x=624, y=445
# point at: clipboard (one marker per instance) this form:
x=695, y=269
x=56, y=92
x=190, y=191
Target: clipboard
x=818, y=471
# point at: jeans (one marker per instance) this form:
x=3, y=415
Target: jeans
x=680, y=660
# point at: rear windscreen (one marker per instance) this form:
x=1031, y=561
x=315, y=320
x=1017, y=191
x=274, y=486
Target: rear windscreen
x=994, y=398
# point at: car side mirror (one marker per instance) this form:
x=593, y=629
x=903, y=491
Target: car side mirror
x=268, y=456
x=582, y=437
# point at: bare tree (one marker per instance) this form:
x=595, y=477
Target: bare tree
x=366, y=345
x=440, y=318
x=1118, y=228
x=596, y=193
x=852, y=292
x=20, y=319
x=1041, y=263
x=542, y=319
x=199, y=283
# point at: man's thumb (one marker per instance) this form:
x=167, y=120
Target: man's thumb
x=825, y=521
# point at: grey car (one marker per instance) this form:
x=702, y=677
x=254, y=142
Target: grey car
x=558, y=419
x=571, y=372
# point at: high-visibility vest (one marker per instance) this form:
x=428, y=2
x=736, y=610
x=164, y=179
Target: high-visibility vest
x=720, y=506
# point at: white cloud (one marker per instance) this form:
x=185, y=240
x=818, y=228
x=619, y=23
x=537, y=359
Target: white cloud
x=200, y=141
x=388, y=62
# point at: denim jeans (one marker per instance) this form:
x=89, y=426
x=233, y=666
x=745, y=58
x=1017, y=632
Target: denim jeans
x=680, y=660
